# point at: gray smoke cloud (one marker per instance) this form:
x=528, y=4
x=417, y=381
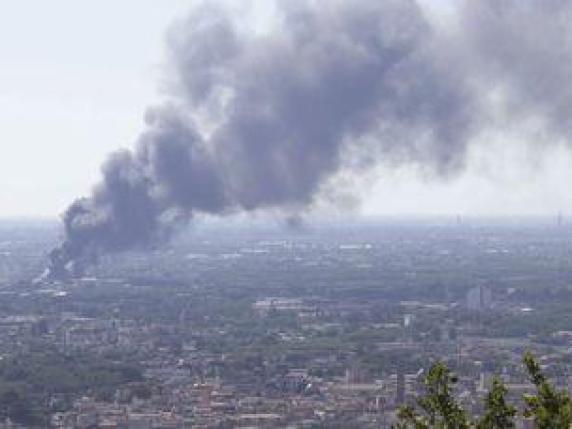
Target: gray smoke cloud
x=523, y=49
x=264, y=120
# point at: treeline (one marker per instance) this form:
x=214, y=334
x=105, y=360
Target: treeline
x=35, y=384
x=548, y=407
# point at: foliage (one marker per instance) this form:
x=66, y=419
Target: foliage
x=29, y=381
x=18, y=404
x=549, y=408
x=498, y=414
x=438, y=408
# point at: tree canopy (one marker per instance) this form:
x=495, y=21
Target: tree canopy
x=438, y=408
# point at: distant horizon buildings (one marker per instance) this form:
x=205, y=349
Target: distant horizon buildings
x=479, y=298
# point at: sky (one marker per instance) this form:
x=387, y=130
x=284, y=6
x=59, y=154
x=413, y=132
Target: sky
x=77, y=76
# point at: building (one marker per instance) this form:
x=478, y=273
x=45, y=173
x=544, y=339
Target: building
x=479, y=298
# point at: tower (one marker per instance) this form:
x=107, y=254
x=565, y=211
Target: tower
x=400, y=386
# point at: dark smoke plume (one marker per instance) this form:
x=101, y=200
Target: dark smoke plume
x=264, y=120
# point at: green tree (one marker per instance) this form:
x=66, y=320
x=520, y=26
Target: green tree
x=550, y=408
x=439, y=408
x=498, y=414
x=19, y=408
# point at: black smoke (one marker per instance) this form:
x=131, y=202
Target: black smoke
x=259, y=120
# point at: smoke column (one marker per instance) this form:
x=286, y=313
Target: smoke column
x=264, y=120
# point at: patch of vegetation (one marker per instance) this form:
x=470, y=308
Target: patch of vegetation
x=438, y=408
x=34, y=384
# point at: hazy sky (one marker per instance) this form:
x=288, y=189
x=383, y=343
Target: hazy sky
x=76, y=77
